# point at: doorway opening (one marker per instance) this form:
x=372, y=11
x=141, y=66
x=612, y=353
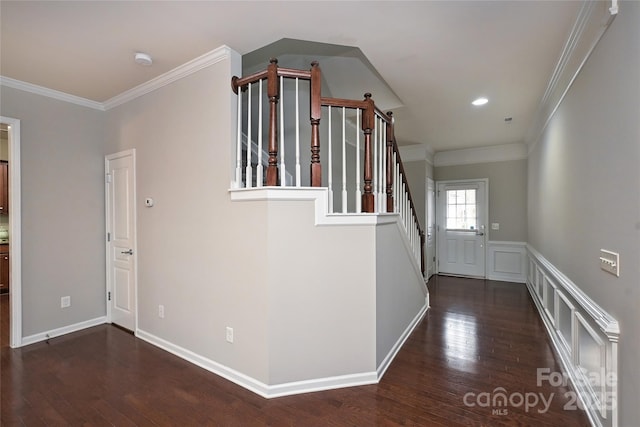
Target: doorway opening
x=462, y=213
x=10, y=221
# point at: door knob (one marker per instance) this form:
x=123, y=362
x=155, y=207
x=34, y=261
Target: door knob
x=129, y=252
x=480, y=233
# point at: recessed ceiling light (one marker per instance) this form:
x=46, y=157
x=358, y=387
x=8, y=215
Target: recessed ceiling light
x=143, y=59
x=480, y=101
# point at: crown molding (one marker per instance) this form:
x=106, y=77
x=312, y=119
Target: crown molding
x=591, y=23
x=493, y=153
x=50, y=93
x=182, y=71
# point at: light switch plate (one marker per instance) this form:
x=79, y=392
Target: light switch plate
x=610, y=262
x=495, y=226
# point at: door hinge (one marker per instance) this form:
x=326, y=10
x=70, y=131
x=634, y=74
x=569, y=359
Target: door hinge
x=108, y=178
x=109, y=296
x=108, y=237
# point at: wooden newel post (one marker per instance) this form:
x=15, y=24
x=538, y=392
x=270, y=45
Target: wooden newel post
x=390, y=139
x=273, y=92
x=316, y=112
x=368, y=117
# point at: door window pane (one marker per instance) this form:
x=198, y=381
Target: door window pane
x=461, y=210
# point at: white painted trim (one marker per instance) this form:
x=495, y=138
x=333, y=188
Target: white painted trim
x=488, y=154
x=50, y=93
x=53, y=333
x=604, y=331
x=561, y=298
x=597, y=339
x=517, y=271
x=219, y=54
x=386, y=362
x=575, y=54
x=321, y=197
x=126, y=153
x=258, y=387
x=605, y=322
x=416, y=153
x=15, y=232
x=290, y=388
x=440, y=227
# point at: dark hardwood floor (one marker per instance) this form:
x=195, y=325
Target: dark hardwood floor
x=477, y=336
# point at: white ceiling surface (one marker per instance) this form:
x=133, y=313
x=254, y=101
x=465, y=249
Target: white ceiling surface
x=435, y=56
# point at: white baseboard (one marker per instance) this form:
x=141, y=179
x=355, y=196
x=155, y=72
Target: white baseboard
x=258, y=387
x=507, y=261
x=584, y=336
x=291, y=388
x=43, y=336
x=401, y=340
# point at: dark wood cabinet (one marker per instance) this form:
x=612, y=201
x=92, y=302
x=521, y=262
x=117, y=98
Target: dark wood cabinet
x=4, y=187
x=4, y=268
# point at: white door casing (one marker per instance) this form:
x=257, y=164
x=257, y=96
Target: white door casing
x=431, y=227
x=121, y=239
x=462, y=235
x=15, y=227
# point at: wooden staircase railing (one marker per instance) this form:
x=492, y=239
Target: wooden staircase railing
x=384, y=182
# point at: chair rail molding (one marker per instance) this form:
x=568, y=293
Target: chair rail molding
x=584, y=335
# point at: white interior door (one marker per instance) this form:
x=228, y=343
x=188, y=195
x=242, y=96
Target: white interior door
x=431, y=227
x=121, y=239
x=462, y=215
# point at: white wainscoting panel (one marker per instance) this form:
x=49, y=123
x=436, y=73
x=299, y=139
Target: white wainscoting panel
x=507, y=261
x=584, y=336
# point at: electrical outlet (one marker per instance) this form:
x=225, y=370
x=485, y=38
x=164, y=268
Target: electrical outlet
x=161, y=311
x=229, y=334
x=65, y=302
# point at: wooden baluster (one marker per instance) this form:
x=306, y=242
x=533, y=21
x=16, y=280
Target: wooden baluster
x=316, y=114
x=389, y=166
x=273, y=92
x=368, y=117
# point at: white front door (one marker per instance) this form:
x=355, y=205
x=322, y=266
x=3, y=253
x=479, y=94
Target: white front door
x=462, y=215
x=121, y=239
x=431, y=227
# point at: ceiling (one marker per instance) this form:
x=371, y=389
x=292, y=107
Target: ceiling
x=435, y=57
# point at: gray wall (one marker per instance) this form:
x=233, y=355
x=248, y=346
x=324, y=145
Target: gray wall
x=194, y=242
x=584, y=180
x=400, y=290
x=62, y=167
x=507, y=194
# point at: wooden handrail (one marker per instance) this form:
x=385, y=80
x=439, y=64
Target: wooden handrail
x=339, y=102
x=237, y=82
x=317, y=101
